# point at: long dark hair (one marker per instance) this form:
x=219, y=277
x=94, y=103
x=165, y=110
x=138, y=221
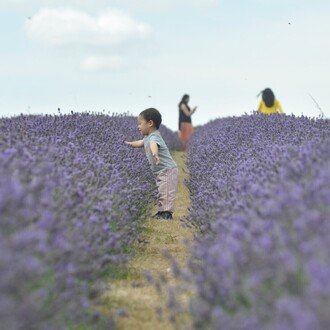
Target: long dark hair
x=268, y=97
x=184, y=99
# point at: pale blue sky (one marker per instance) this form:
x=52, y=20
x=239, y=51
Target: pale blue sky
x=128, y=55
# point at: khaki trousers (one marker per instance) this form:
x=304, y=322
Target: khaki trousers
x=167, y=183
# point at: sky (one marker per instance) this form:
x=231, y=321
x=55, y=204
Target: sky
x=128, y=55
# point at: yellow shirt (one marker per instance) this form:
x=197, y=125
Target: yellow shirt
x=276, y=108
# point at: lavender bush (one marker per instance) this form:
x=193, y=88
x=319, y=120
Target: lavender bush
x=260, y=191
x=72, y=198
x=171, y=138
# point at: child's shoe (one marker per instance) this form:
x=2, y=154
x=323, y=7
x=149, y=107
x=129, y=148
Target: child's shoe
x=156, y=216
x=166, y=215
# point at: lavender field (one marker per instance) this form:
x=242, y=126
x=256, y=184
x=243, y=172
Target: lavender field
x=260, y=192
x=72, y=199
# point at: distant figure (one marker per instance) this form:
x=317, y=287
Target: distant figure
x=185, y=125
x=269, y=104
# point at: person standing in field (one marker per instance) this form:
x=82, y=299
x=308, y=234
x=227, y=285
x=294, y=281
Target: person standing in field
x=268, y=103
x=162, y=164
x=185, y=125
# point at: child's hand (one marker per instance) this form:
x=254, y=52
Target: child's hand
x=156, y=159
x=135, y=144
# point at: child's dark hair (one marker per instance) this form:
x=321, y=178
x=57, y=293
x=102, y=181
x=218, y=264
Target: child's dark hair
x=268, y=97
x=152, y=114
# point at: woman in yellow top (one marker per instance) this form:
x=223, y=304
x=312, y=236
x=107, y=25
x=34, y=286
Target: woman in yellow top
x=269, y=104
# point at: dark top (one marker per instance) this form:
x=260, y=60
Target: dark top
x=183, y=118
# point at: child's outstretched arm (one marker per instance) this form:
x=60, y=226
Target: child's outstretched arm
x=135, y=144
x=154, y=152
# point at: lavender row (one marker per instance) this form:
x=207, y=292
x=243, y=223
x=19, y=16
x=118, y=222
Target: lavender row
x=171, y=138
x=260, y=191
x=72, y=198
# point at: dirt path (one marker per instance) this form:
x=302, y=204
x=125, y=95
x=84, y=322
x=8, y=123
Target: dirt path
x=133, y=293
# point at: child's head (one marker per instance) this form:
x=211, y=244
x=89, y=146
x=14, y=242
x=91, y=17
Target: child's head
x=268, y=97
x=149, y=120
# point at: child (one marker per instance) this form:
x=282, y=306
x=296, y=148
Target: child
x=269, y=104
x=159, y=157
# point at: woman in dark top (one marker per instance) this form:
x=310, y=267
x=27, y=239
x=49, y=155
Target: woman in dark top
x=185, y=126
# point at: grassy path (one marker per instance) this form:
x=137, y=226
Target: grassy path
x=134, y=293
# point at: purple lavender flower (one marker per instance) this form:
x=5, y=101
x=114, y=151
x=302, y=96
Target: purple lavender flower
x=260, y=188
x=65, y=220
